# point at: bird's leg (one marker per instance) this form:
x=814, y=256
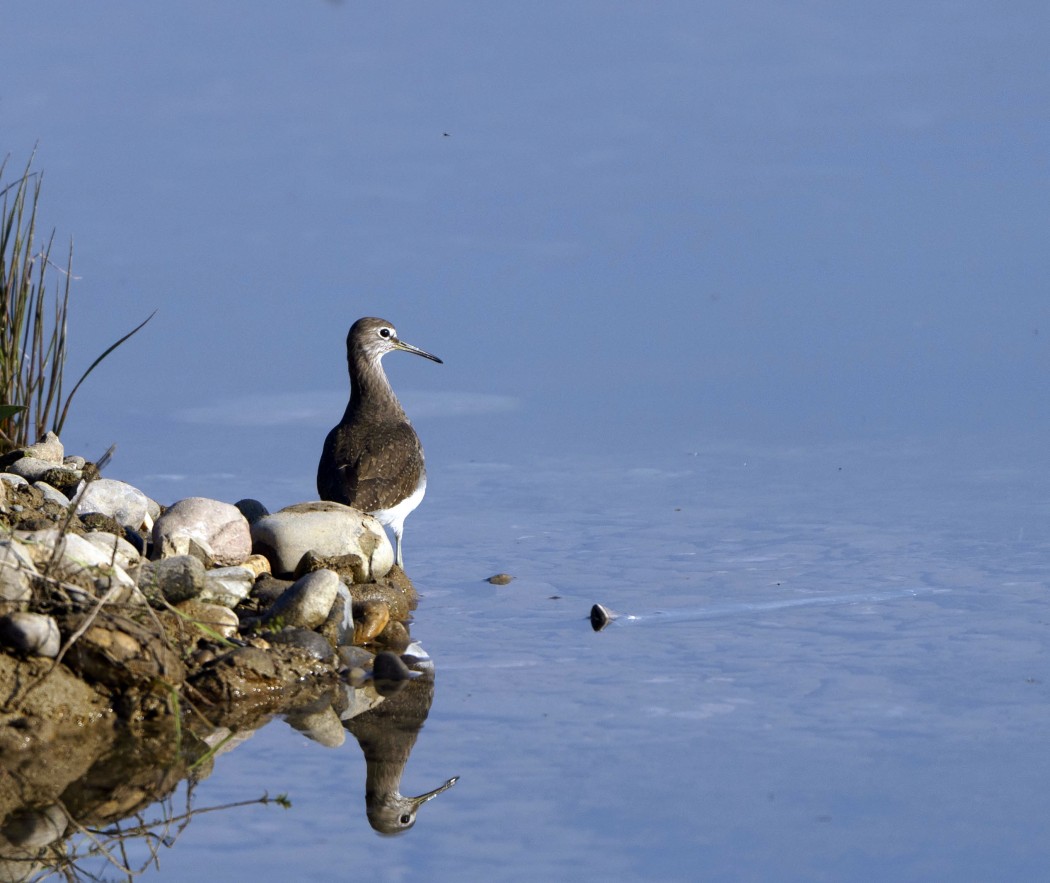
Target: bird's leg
x=397, y=550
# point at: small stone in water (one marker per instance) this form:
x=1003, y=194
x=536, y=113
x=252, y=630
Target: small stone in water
x=499, y=579
x=601, y=617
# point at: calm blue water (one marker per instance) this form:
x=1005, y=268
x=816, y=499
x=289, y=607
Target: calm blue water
x=891, y=729
x=741, y=308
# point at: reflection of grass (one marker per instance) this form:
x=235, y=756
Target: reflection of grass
x=33, y=332
x=131, y=846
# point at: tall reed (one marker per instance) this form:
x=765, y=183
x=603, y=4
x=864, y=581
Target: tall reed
x=33, y=344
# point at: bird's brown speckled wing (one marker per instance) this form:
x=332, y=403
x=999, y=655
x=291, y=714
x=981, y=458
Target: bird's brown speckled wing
x=370, y=471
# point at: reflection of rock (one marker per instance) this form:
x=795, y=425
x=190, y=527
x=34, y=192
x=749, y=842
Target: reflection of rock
x=386, y=734
x=319, y=722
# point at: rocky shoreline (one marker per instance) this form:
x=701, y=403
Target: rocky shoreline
x=123, y=618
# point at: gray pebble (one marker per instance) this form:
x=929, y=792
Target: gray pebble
x=30, y=468
x=307, y=603
x=178, y=579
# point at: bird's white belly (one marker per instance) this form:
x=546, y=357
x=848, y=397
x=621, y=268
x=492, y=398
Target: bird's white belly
x=395, y=516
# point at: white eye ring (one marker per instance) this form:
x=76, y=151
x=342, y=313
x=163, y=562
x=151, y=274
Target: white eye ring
x=386, y=333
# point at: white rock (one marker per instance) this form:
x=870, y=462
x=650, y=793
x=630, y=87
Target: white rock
x=12, y=480
x=78, y=561
x=125, y=504
x=31, y=633
x=15, y=566
x=217, y=528
x=227, y=586
x=49, y=448
x=330, y=530
x=114, y=548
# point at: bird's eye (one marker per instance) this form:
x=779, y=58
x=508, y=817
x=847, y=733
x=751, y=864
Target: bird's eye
x=386, y=333
x=405, y=819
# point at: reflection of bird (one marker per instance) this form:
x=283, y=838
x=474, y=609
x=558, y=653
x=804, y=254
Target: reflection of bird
x=386, y=734
x=373, y=460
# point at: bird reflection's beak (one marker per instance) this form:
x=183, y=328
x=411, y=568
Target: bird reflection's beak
x=430, y=795
x=408, y=348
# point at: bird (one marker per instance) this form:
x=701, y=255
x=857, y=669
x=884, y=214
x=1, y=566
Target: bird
x=372, y=459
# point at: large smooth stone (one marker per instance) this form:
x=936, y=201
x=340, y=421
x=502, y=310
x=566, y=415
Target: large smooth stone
x=125, y=504
x=197, y=523
x=329, y=530
x=307, y=603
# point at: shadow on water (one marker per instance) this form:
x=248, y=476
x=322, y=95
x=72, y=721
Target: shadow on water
x=100, y=801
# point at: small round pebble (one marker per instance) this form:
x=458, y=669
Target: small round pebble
x=499, y=579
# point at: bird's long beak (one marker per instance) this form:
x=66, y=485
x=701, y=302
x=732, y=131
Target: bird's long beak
x=408, y=348
x=430, y=795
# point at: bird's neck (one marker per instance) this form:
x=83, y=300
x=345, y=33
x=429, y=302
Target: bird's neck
x=371, y=393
